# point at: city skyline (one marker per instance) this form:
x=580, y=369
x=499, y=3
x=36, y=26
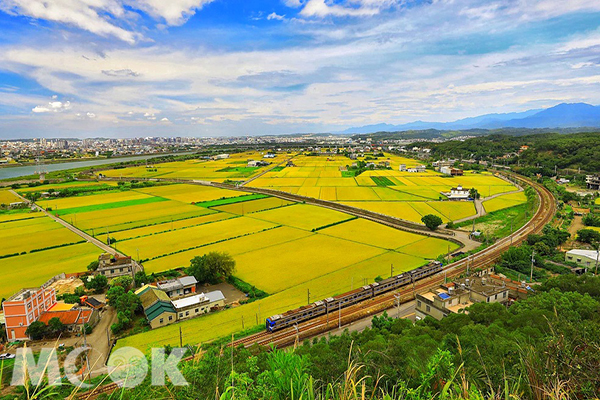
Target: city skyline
x=225, y=68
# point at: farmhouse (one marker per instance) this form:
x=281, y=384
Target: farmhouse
x=451, y=171
x=112, y=266
x=455, y=297
x=457, y=193
x=179, y=287
x=25, y=307
x=74, y=319
x=192, y=306
x=161, y=310
x=585, y=258
x=157, y=306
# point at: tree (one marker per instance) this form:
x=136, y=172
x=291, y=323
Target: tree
x=474, y=194
x=98, y=283
x=588, y=236
x=431, y=221
x=124, y=281
x=141, y=278
x=55, y=326
x=113, y=294
x=93, y=265
x=212, y=267
x=591, y=220
x=36, y=330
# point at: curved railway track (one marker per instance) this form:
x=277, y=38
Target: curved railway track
x=482, y=259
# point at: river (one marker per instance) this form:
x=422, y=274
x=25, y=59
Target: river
x=14, y=172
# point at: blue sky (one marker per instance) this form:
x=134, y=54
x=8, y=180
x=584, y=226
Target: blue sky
x=115, y=68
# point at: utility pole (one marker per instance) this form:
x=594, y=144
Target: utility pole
x=181, y=337
x=397, y=297
x=597, y=257
x=339, y=315
x=532, y=259
x=511, y=231
x=392, y=270
x=242, y=323
x=308, y=295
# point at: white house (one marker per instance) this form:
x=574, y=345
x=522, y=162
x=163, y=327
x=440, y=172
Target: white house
x=457, y=193
x=585, y=258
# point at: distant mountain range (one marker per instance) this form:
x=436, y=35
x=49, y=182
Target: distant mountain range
x=564, y=115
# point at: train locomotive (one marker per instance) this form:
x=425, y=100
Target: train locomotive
x=331, y=304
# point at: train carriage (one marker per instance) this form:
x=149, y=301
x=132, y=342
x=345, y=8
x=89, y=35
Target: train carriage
x=335, y=303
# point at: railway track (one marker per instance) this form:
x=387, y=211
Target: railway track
x=485, y=258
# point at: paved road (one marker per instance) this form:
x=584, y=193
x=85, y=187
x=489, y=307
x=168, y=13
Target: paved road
x=73, y=229
x=265, y=171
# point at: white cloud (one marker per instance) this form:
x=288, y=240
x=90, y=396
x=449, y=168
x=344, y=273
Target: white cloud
x=274, y=15
x=84, y=14
x=52, y=106
x=90, y=115
x=318, y=8
x=104, y=17
x=174, y=12
x=165, y=119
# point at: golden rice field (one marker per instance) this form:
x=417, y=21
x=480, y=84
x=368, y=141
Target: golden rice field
x=190, y=193
x=33, y=234
x=235, y=247
x=428, y=247
x=234, y=168
x=122, y=218
x=33, y=269
x=164, y=243
x=91, y=200
x=7, y=197
x=504, y=201
x=301, y=216
x=63, y=185
x=248, y=207
x=224, y=323
x=169, y=226
x=18, y=215
x=364, y=231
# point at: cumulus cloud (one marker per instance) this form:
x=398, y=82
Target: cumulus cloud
x=52, y=106
x=274, y=15
x=165, y=119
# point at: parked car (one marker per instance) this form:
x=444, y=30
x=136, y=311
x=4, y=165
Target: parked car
x=6, y=356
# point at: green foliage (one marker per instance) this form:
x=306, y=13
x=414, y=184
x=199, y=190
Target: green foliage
x=212, y=267
x=431, y=221
x=56, y=327
x=126, y=303
x=141, y=278
x=474, y=194
x=36, y=330
x=98, y=283
x=93, y=266
x=251, y=291
x=124, y=281
x=588, y=236
x=69, y=298
x=591, y=220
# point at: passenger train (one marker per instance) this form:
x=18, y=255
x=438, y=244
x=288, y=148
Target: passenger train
x=322, y=307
